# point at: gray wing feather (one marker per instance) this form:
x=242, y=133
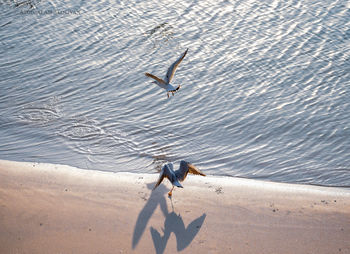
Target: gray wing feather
x=160, y=82
x=182, y=172
x=171, y=166
x=172, y=68
x=164, y=173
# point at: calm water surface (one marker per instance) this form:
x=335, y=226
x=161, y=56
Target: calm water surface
x=265, y=86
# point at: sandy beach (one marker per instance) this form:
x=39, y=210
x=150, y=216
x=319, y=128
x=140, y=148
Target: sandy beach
x=46, y=208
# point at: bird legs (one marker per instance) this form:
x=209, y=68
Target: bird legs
x=170, y=193
x=171, y=93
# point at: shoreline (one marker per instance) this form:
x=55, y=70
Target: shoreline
x=48, y=208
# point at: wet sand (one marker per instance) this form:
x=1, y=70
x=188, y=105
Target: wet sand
x=46, y=208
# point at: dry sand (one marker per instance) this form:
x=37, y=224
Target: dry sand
x=47, y=208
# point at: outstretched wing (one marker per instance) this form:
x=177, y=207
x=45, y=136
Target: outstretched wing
x=182, y=172
x=172, y=68
x=160, y=81
x=160, y=179
x=194, y=170
x=164, y=173
x=171, y=166
x=186, y=168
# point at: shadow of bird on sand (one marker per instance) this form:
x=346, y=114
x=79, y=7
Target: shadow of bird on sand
x=156, y=198
x=173, y=223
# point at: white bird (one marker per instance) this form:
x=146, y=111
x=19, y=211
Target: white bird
x=178, y=175
x=165, y=84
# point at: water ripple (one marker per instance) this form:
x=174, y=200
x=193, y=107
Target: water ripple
x=264, y=86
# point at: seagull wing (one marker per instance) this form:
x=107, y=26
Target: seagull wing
x=160, y=179
x=172, y=68
x=160, y=82
x=194, y=170
x=171, y=166
x=172, y=176
x=182, y=172
x=164, y=173
x=186, y=168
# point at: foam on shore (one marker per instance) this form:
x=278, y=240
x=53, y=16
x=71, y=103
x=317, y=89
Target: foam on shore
x=47, y=208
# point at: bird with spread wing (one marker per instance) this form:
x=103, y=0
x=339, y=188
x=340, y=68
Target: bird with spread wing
x=165, y=84
x=175, y=177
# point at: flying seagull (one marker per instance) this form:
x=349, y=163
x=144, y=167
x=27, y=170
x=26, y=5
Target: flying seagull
x=165, y=84
x=178, y=175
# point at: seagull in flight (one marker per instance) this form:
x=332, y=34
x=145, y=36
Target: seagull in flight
x=178, y=175
x=165, y=84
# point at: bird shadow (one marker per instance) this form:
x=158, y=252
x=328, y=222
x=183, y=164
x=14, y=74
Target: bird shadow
x=156, y=198
x=173, y=223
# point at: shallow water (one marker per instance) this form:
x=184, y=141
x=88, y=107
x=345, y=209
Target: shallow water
x=265, y=86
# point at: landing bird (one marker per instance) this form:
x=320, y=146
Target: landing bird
x=165, y=84
x=178, y=175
